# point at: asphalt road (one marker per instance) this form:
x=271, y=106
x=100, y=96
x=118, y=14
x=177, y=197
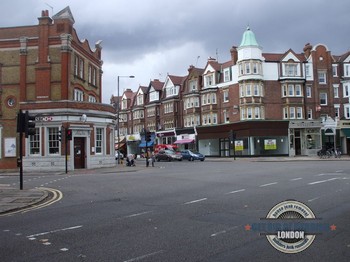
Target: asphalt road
x=179, y=211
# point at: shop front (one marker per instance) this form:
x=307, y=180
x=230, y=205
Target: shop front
x=186, y=138
x=252, y=138
x=305, y=137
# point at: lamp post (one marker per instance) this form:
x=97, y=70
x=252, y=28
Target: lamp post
x=118, y=109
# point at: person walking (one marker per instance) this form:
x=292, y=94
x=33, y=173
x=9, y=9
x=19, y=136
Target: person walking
x=153, y=159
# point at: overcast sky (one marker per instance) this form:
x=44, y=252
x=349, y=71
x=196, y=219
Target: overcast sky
x=153, y=38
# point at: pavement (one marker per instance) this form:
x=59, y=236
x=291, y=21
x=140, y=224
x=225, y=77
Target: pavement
x=14, y=199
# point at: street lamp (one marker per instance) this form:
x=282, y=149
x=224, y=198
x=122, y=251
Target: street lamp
x=118, y=108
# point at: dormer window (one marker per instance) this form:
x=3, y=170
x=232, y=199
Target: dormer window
x=227, y=75
x=209, y=80
x=140, y=100
x=291, y=69
x=154, y=96
x=124, y=104
x=172, y=91
x=192, y=85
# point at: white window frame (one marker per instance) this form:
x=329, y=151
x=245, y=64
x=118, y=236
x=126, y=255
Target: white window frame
x=335, y=70
x=35, y=139
x=292, y=113
x=336, y=91
x=256, y=90
x=323, y=98
x=291, y=69
x=308, y=91
x=53, y=142
x=248, y=90
x=347, y=70
x=226, y=97
x=290, y=90
x=347, y=111
x=99, y=140
x=337, y=110
x=346, y=89
x=193, y=85
x=322, y=77
x=299, y=113
x=92, y=99
x=257, y=112
x=309, y=114
x=209, y=80
x=227, y=77
x=78, y=95
x=298, y=90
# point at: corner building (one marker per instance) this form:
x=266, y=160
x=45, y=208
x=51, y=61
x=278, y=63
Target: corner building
x=46, y=70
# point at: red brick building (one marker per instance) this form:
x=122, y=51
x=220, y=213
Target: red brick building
x=45, y=69
x=275, y=103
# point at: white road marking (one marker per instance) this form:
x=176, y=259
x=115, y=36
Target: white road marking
x=236, y=191
x=54, y=231
x=313, y=199
x=144, y=256
x=223, y=231
x=138, y=214
x=269, y=184
x=323, y=181
x=64, y=249
x=195, y=201
x=295, y=179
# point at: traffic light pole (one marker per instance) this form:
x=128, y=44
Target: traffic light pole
x=21, y=159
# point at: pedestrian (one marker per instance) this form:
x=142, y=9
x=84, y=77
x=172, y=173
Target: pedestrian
x=153, y=158
x=148, y=157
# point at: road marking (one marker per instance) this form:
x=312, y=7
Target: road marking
x=313, y=199
x=323, y=181
x=295, y=179
x=223, y=231
x=64, y=249
x=195, y=201
x=269, y=184
x=138, y=214
x=54, y=231
x=236, y=191
x=144, y=256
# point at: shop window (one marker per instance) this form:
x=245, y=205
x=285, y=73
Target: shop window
x=53, y=140
x=34, y=143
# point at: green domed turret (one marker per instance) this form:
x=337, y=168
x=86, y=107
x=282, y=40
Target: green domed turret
x=248, y=38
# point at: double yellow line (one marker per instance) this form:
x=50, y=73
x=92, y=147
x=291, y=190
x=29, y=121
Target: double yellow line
x=56, y=196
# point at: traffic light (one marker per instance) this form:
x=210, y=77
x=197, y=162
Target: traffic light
x=148, y=137
x=59, y=135
x=29, y=125
x=69, y=134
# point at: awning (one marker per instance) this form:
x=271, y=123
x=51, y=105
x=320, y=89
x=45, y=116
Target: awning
x=120, y=145
x=184, y=141
x=346, y=132
x=143, y=144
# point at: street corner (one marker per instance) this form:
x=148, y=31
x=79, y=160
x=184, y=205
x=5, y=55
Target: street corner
x=21, y=201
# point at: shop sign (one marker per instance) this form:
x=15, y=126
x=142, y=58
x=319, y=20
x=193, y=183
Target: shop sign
x=239, y=145
x=270, y=144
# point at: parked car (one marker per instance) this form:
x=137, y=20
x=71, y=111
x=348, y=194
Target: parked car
x=191, y=156
x=168, y=155
x=118, y=154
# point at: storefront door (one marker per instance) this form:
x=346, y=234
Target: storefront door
x=79, y=152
